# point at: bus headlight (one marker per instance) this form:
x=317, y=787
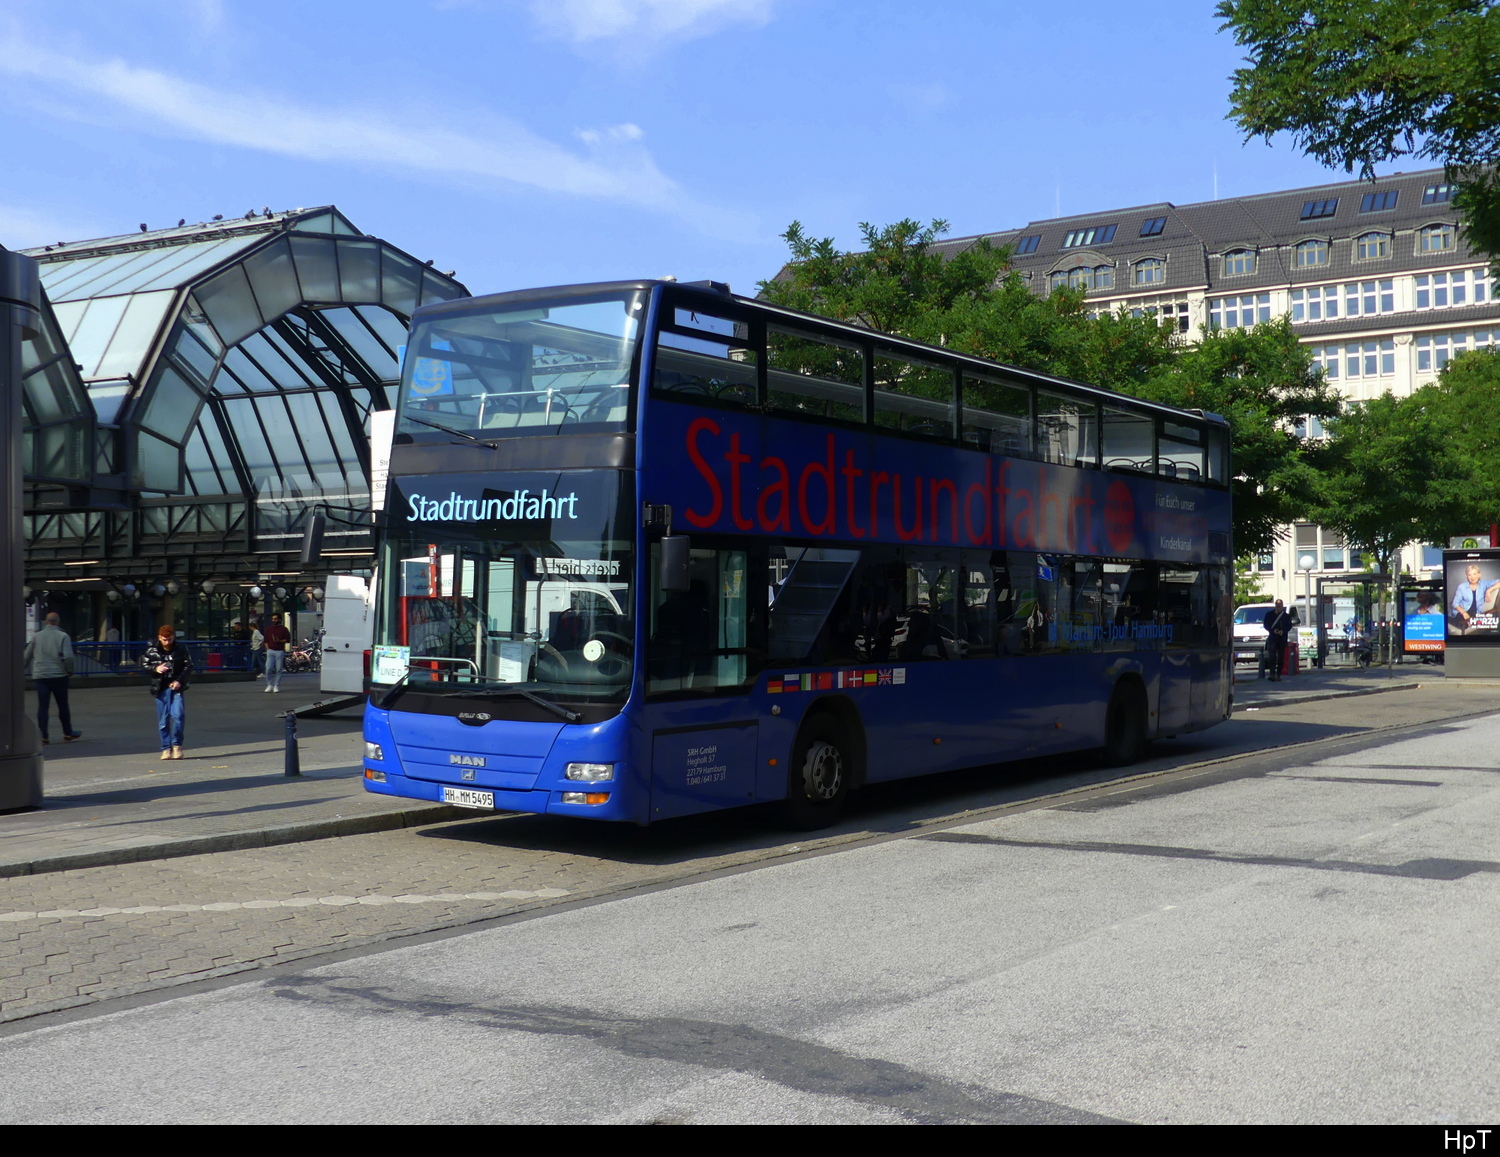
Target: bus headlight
x=590, y=772
x=372, y=751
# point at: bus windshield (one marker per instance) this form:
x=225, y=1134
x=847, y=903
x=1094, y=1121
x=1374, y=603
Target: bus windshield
x=522, y=582
x=530, y=368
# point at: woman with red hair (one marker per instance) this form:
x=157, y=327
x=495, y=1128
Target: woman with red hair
x=169, y=665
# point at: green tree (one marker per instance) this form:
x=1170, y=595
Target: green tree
x=1261, y=380
x=1361, y=82
x=1247, y=588
x=1464, y=403
x=1392, y=475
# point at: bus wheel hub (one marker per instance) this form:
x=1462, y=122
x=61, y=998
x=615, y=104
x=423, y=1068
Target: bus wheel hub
x=823, y=771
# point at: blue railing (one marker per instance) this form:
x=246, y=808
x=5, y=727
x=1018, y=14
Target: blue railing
x=124, y=658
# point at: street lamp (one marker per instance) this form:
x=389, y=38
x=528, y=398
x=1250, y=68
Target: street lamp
x=1306, y=563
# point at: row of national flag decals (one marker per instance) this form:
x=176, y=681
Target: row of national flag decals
x=836, y=680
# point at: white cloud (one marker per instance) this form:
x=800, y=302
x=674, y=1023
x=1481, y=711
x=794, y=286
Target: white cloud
x=921, y=97
x=612, y=165
x=647, y=22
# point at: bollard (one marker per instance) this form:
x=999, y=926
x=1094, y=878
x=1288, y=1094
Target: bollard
x=293, y=762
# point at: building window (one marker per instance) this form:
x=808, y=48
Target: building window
x=1312, y=210
x=1375, y=202
x=1437, y=239
x=1355, y=360
x=1265, y=563
x=1437, y=194
x=1104, y=276
x=1239, y=262
x=1436, y=350
x=1174, y=313
x=1239, y=312
x=1308, y=427
x=1316, y=304
x=1441, y=290
x=1150, y=271
x=1153, y=226
x=1372, y=245
x=1312, y=253
x=1363, y=298
x=1028, y=244
x=1098, y=235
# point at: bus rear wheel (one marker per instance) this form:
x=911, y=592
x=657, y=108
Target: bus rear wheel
x=1125, y=725
x=819, y=776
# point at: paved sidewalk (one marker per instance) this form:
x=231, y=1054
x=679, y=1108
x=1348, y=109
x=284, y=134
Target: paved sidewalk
x=110, y=799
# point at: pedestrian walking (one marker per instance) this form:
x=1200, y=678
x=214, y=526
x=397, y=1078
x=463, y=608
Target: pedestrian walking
x=49, y=655
x=277, y=637
x=169, y=665
x=257, y=651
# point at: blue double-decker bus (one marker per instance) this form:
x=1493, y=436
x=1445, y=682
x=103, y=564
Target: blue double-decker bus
x=651, y=549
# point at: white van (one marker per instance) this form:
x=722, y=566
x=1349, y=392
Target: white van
x=1250, y=631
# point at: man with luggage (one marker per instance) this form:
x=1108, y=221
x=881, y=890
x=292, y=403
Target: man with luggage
x=1278, y=626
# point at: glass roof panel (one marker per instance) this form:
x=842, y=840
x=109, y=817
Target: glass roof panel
x=401, y=279
x=107, y=397
x=370, y=349
x=141, y=270
x=435, y=287
x=173, y=408
x=208, y=464
x=317, y=268
x=132, y=339
x=92, y=336
x=244, y=372
x=247, y=432
x=359, y=270
x=273, y=279
x=230, y=306
x=69, y=314
x=322, y=223
x=390, y=328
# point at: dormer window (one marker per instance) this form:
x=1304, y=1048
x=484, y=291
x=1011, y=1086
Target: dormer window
x=1150, y=271
x=1309, y=253
x=1028, y=244
x=1239, y=262
x=1372, y=245
x=1313, y=210
x=1437, y=239
x=1097, y=235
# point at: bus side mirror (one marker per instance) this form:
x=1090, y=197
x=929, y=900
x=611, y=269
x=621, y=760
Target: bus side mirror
x=676, y=553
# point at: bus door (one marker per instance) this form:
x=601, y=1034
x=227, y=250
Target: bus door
x=699, y=670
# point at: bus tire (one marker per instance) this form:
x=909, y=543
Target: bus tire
x=819, y=778
x=1125, y=725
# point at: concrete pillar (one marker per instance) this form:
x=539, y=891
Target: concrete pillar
x=20, y=742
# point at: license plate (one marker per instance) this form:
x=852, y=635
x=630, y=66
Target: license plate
x=465, y=797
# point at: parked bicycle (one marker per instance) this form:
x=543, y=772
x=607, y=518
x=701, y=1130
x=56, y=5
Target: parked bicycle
x=307, y=656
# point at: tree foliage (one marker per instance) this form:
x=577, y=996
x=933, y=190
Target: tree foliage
x=1361, y=82
x=1261, y=380
x=1392, y=475
x=1464, y=402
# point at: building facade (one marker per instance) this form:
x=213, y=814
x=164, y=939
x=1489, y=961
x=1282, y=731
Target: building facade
x=195, y=394
x=1374, y=275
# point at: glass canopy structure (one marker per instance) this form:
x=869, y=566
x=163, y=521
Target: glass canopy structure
x=199, y=390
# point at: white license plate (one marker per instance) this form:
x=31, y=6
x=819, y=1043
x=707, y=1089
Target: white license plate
x=464, y=797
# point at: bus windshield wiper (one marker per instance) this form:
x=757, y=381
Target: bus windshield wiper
x=448, y=430
x=556, y=708
x=490, y=690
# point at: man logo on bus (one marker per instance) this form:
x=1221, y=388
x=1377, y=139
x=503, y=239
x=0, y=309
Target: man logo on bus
x=1119, y=517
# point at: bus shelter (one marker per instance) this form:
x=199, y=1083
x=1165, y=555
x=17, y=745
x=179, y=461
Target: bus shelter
x=1355, y=620
x=1420, y=621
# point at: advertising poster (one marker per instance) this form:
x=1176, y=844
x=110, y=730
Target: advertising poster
x=1471, y=596
x=1422, y=616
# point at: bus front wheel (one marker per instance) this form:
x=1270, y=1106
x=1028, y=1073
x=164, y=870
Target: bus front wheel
x=818, y=780
x=1125, y=725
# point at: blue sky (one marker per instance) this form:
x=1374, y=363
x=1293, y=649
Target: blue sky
x=536, y=142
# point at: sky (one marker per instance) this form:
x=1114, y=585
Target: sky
x=525, y=143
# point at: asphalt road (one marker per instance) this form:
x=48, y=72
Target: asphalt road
x=1303, y=934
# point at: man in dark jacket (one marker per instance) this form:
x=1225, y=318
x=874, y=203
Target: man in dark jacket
x=1278, y=625
x=169, y=666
